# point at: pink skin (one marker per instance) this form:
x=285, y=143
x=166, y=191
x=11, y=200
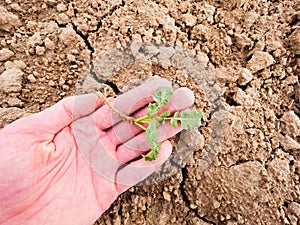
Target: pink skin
x=61, y=166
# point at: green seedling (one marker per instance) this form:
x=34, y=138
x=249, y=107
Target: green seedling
x=156, y=116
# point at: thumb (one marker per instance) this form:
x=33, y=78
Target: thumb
x=137, y=171
x=60, y=115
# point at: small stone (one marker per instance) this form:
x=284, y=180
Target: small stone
x=16, y=7
x=294, y=41
x=8, y=115
x=203, y=57
x=61, y=7
x=65, y=87
x=245, y=77
x=20, y=64
x=40, y=50
x=241, y=98
x=14, y=102
x=260, y=60
x=15, y=64
x=49, y=44
x=272, y=43
x=67, y=36
x=75, y=52
x=289, y=143
x=5, y=54
x=50, y=27
x=216, y=204
x=8, y=20
x=250, y=131
x=35, y=39
x=209, y=12
x=294, y=208
x=71, y=58
x=11, y=80
x=291, y=80
x=290, y=124
x=63, y=18
x=8, y=65
x=31, y=78
x=189, y=19
x=280, y=169
x=242, y=40
x=227, y=40
x=193, y=206
x=167, y=196
x=51, y=83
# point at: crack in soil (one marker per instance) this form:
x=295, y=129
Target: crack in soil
x=242, y=161
x=85, y=39
x=91, y=70
x=109, y=13
x=113, y=86
x=186, y=200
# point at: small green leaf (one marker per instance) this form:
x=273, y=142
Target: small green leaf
x=174, y=120
x=163, y=95
x=165, y=114
x=152, y=155
x=152, y=137
x=153, y=109
x=191, y=119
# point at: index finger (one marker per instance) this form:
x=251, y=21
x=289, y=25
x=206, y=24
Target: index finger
x=128, y=102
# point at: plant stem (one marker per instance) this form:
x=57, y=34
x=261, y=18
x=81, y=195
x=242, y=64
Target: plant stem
x=141, y=118
x=120, y=114
x=140, y=125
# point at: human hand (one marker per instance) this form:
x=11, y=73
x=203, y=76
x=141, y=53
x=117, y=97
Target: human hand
x=68, y=163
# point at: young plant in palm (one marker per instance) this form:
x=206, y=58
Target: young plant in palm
x=155, y=117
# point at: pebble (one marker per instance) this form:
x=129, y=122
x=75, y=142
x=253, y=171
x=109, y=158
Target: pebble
x=15, y=64
x=16, y=7
x=216, y=204
x=8, y=20
x=67, y=36
x=10, y=114
x=5, y=54
x=31, y=78
x=51, y=83
x=288, y=143
x=279, y=168
x=11, y=80
x=63, y=18
x=49, y=44
x=241, y=98
x=245, y=77
x=40, y=50
x=193, y=206
x=294, y=40
x=167, y=196
x=12, y=101
x=290, y=124
x=61, y=7
x=209, y=12
x=292, y=79
x=260, y=60
x=71, y=58
x=294, y=207
x=35, y=39
x=189, y=19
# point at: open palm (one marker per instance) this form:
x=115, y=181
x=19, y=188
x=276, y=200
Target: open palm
x=68, y=163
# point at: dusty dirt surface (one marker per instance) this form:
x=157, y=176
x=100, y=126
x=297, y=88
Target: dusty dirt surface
x=252, y=47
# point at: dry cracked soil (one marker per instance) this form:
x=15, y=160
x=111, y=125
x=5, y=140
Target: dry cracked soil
x=48, y=49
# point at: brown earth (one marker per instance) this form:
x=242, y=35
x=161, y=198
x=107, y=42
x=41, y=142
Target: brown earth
x=47, y=48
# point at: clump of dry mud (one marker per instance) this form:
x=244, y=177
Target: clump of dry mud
x=252, y=47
